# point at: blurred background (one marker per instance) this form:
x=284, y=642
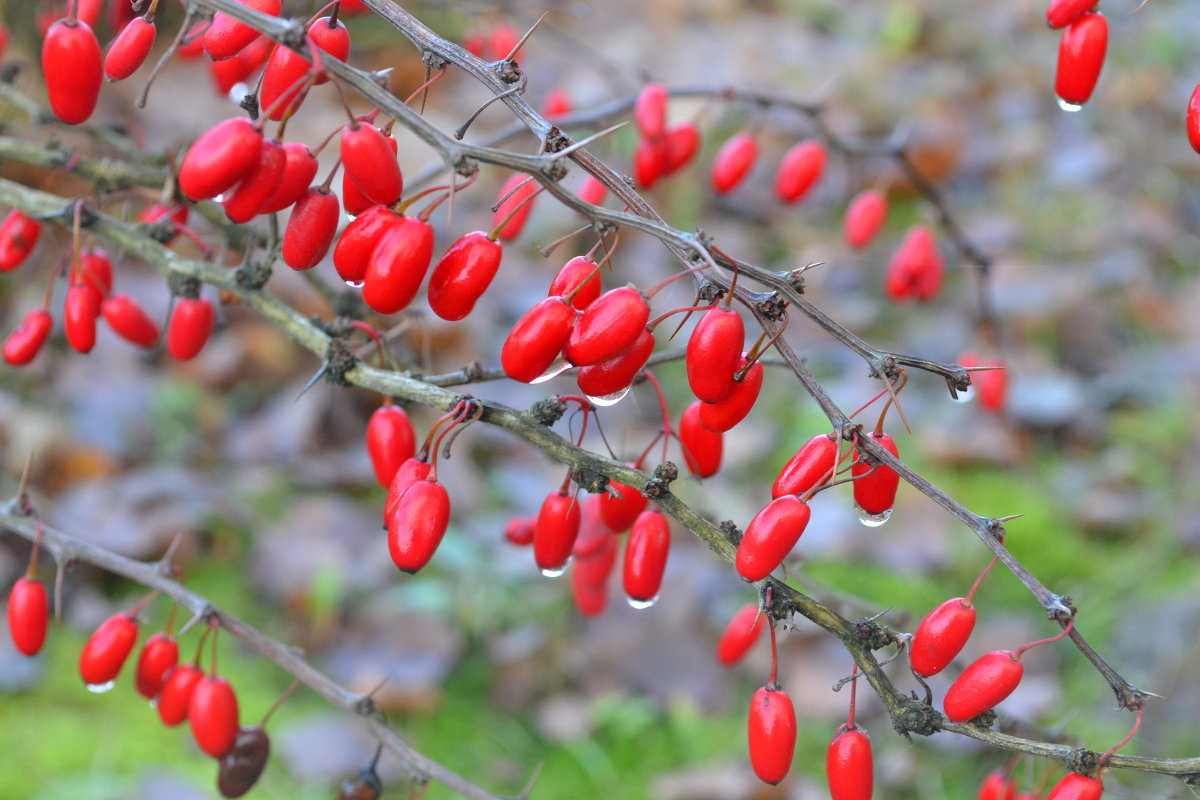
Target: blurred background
x=1089, y=216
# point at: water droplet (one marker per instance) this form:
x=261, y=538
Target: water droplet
x=1072, y=107
x=154, y=702
x=556, y=572
x=101, y=688
x=640, y=604
x=556, y=369
x=608, y=399
x=872, y=520
x=965, y=395
x=239, y=91
x=354, y=284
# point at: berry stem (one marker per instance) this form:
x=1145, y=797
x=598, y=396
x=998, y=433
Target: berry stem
x=773, y=680
x=975, y=586
x=1020, y=651
x=1137, y=723
x=283, y=697
x=853, y=696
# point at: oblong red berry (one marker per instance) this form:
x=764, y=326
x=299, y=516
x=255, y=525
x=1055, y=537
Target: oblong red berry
x=299, y=169
x=225, y=37
x=770, y=536
x=19, y=234
x=811, y=466
x=986, y=682
x=740, y=634
x=579, y=275
x=159, y=656
x=915, y=271
x=219, y=158
x=129, y=49
x=72, y=64
x=23, y=344
x=557, y=104
x=997, y=786
x=592, y=530
x=176, y=694
x=619, y=512
x=310, y=229
x=990, y=385
x=283, y=84
x=702, y=448
x=129, y=320
x=390, y=441
x=519, y=531
x=941, y=636
x=28, y=615
x=519, y=205
x=463, y=274
x=416, y=528
x=617, y=373
x=1081, y=57
x=799, y=171
x=731, y=409
x=1061, y=13
x=650, y=110
x=646, y=552
x=369, y=160
x=875, y=493
x=398, y=265
x=80, y=310
x=555, y=531
x=733, y=162
x=607, y=326
x=594, y=568
x=106, y=649
x=649, y=161
x=849, y=766
x=682, y=142
x=772, y=734
x=590, y=598
x=712, y=355
x=1193, y=124
x=243, y=202
x=1074, y=786
x=232, y=71
x=213, y=715
x=536, y=339
x=864, y=218
x=191, y=324
x=353, y=251
x=409, y=472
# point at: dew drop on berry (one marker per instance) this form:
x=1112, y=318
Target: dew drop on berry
x=640, y=604
x=556, y=572
x=556, y=369
x=1071, y=107
x=608, y=399
x=872, y=520
x=100, y=688
x=355, y=284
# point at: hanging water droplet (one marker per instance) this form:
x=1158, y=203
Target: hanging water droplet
x=872, y=520
x=640, y=604
x=965, y=395
x=555, y=572
x=556, y=369
x=1072, y=107
x=154, y=702
x=608, y=399
x=354, y=284
x=101, y=688
x=238, y=92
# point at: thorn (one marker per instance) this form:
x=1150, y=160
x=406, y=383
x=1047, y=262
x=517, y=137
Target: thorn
x=311, y=381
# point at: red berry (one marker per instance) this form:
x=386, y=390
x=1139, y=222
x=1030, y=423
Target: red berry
x=28, y=615
x=353, y=251
x=580, y=274
x=683, y=142
x=875, y=493
x=193, y=41
x=1074, y=786
x=941, y=636
x=105, y=651
x=915, y=271
x=523, y=197
x=607, y=326
x=799, y=170
x=398, y=265
x=702, y=448
x=649, y=161
x=390, y=442
x=1193, y=122
x=593, y=191
x=72, y=64
x=590, y=598
x=713, y=352
x=555, y=532
x=986, y=682
x=519, y=531
x=617, y=373
x=190, y=326
x=997, y=786
x=1061, y=13
x=369, y=159
x=727, y=412
x=299, y=169
x=232, y=71
x=243, y=202
x=593, y=569
x=463, y=274
x=619, y=513
x=310, y=229
x=537, y=339
x=502, y=39
x=864, y=218
x=1080, y=58
x=418, y=524
x=558, y=104
x=79, y=317
x=811, y=466
x=129, y=320
x=740, y=635
x=283, y=84
x=176, y=694
x=650, y=110
x=18, y=236
x=593, y=533
x=226, y=37
x=848, y=765
x=159, y=656
x=221, y=157
x=991, y=386
x=409, y=473
x=770, y=536
x=129, y=50
x=772, y=730
x=213, y=714
x=733, y=162
x=96, y=271
x=23, y=344
x=646, y=556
